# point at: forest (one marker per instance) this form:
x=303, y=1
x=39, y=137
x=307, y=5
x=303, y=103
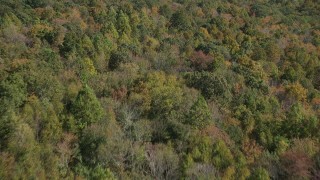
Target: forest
x=164, y=90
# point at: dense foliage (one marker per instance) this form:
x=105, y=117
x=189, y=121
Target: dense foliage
x=145, y=89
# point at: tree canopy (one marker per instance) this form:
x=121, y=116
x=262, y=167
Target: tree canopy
x=145, y=89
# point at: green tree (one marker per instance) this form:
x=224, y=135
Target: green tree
x=102, y=173
x=299, y=124
x=26, y=152
x=123, y=24
x=199, y=115
x=246, y=117
x=117, y=57
x=165, y=92
x=13, y=91
x=7, y=126
x=86, y=108
x=180, y=21
x=43, y=119
x=210, y=85
x=37, y=3
x=259, y=173
x=221, y=155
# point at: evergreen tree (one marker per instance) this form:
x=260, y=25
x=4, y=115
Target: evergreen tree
x=199, y=115
x=86, y=108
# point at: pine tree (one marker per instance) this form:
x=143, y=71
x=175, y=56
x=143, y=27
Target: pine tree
x=199, y=114
x=86, y=108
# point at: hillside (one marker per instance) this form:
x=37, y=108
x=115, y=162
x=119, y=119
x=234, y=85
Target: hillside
x=170, y=89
